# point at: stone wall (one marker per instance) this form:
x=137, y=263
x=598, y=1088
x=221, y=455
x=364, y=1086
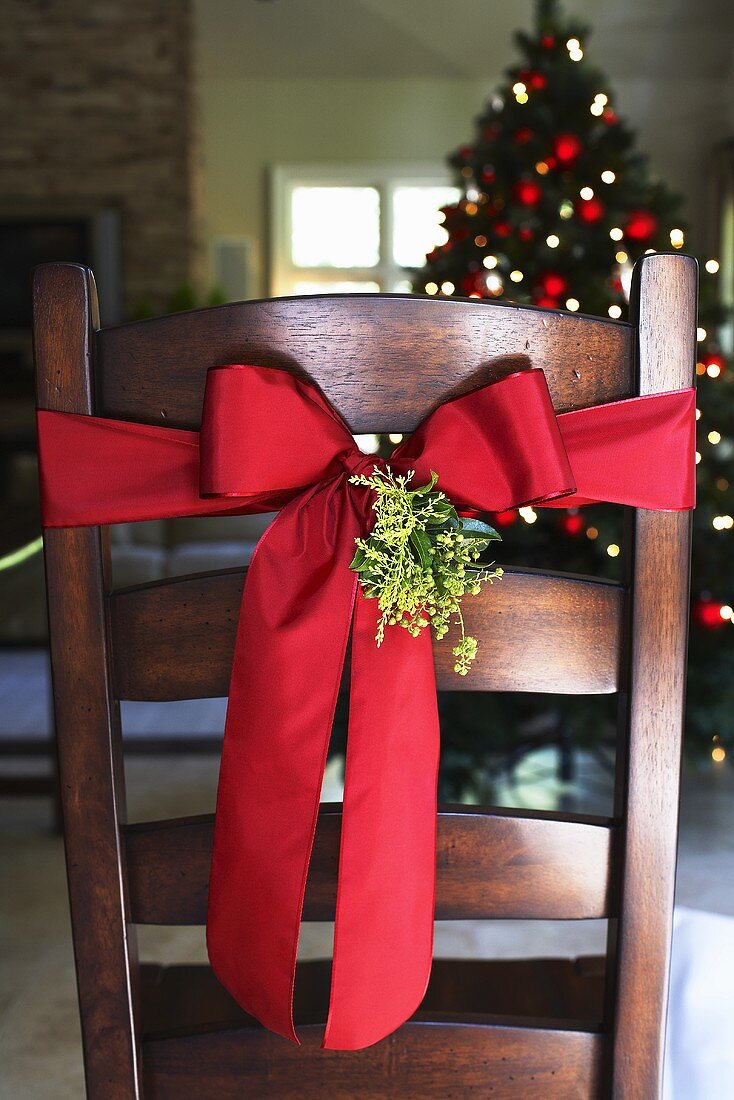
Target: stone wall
x=96, y=98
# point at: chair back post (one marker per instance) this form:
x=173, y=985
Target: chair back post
x=87, y=715
x=663, y=309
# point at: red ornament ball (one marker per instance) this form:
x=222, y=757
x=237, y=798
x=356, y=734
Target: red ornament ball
x=567, y=148
x=474, y=283
x=489, y=133
x=465, y=152
x=523, y=135
x=547, y=302
x=610, y=117
x=707, y=613
x=528, y=192
x=641, y=225
x=547, y=41
x=590, y=210
x=502, y=229
x=572, y=524
x=525, y=233
x=551, y=284
x=532, y=79
x=488, y=174
x=505, y=519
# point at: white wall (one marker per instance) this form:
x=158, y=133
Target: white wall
x=249, y=124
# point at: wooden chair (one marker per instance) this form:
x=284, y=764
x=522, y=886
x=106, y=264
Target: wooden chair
x=384, y=362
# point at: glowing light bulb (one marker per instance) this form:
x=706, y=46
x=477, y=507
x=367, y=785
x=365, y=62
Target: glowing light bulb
x=528, y=514
x=726, y=611
x=616, y=233
x=714, y=437
x=480, y=241
x=615, y=312
x=698, y=457
x=573, y=44
x=368, y=444
x=471, y=209
x=552, y=240
x=718, y=754
x=431, y=288
x=519, y=88
x=576, y=55
x=441, y=217
x=542, y=168
x=597, y=109
x=522, y=98
x=700, y=334
x=586, y=193
x=712, y=266
x=495, y=285
x=516, y=276
x=621, y=257
x=592, y=533
x=698, y=414
x=649, y=251
x=395, y=437
x=447, y=287
x=713, y=370
x=441, y=235
x=490, y=262
x=572, y=304
x=602, y=98
x=608, y=176
x=677, y=238
x=613, y=550
x=566, y=209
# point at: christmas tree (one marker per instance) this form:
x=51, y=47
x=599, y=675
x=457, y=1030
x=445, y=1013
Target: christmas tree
x=557, y=204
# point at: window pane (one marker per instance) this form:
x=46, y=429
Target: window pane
x=335, y=226
x=329, y=287
x=416, y=226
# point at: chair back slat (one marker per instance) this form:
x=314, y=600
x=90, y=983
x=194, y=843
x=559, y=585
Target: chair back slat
x=492, y=864
x=383, y=361
x=433, y=1061
x=539, y=632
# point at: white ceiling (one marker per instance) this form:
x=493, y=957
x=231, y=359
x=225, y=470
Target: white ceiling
x=459, y=39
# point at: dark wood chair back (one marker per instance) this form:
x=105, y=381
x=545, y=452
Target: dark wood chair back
x=383, y=362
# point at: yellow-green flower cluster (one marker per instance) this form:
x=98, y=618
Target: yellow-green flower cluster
x=421, y=558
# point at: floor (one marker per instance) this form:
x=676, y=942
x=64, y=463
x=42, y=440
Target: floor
x=39, y=1032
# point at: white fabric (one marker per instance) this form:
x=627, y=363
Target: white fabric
x=699, y=1053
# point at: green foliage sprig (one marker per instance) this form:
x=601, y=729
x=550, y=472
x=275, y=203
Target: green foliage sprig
x=421, y=558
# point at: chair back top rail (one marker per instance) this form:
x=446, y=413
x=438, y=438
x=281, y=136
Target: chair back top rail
x=383, y=361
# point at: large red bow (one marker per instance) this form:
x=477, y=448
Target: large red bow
x=270, y=441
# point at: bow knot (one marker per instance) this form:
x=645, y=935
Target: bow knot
x=357, y=463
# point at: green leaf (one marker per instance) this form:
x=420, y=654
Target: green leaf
x=358, y=560
x=421, y=543
x=423, y=489
x=475, y=529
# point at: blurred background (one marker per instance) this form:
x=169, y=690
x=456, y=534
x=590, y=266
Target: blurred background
x=194, y=152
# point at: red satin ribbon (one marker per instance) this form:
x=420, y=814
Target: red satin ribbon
x=270, y=441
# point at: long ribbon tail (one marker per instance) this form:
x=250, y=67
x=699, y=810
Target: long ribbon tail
x=288, y=660
x=383, y=937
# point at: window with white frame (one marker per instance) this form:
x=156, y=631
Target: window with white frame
x=346, y=229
